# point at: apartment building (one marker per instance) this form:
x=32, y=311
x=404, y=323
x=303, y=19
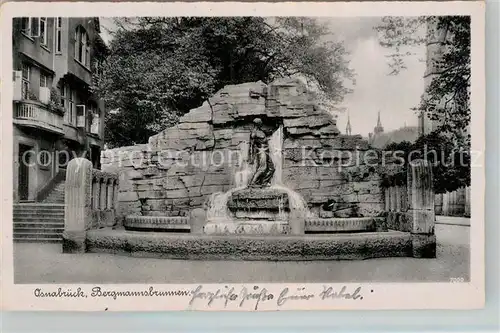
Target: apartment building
x=56, y=115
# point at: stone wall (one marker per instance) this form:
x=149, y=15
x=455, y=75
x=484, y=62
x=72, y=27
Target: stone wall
x=183, y=165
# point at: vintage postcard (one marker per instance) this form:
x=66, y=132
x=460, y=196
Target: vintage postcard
x=243, y=156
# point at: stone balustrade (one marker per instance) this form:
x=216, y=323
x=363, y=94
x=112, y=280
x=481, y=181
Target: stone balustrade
x=90, y=200
x=456, y=203
x=410, y=208
x=104, y=190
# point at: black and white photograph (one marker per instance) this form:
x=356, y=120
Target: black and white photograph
x=220, y=154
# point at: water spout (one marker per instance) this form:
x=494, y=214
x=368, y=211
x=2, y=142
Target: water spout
x=275, y=151
x=217, y=206
x=296, y=201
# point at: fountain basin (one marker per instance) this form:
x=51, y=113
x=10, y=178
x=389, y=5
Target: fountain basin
x=157, y=223
x=250, y=247
x=312, y=225
x=249, y=227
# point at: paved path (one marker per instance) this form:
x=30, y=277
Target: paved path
x=44, y=263
x=453, y=220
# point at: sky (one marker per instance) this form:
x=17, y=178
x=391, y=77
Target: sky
x=375, y=90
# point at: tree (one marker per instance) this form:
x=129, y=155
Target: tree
x=450, y=165
x=160, y=68
x=447, y=97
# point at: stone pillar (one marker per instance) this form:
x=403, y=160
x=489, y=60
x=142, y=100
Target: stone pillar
x=421, y=209
x=393, y=198
x=103, y=196
x=78, y=210
x=94, y=195
x=115, y=194
x=109, y=191
x=391, y=216
x=297, y=221
x=446, y=204
x=387, y=199
x=451, y=207
x=467, y=202
x=404, y=198
x=116, y=203
x=438, y=204
x=197, y=220
x=398, y=198
x=462, y=201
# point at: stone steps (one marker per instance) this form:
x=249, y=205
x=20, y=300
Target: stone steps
x=38, y=222
x=22, y=232
x=29, y=216
x=37, y=239
x=56, y=195
x=39, y=225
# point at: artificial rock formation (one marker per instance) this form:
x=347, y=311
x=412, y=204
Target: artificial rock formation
x=183, y=165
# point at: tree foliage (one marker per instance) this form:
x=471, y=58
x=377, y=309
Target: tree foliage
x=447, y=97
x=450, y=165
x=160, y=68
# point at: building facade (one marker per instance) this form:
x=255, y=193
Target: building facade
x=436, y=45
x=56, y=116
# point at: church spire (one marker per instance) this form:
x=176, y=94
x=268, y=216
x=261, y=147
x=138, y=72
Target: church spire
x=348, y=126
x=379, y=128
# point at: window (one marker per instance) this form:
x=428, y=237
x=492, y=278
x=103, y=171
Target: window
x=60, y=86
x=43, y=31
x=96, y=121
x=87, y=53
x=67, y=100
x=58, y=34
x=82, y=46
x=43, y=80
x=90, y=114
x=35, y=27
x=44, y=159
x=63, y=158
x=98, y=67
x=30, y=26
x=71, y=106
x=26, y=80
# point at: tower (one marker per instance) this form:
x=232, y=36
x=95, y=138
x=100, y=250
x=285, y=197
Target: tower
x=348, y=129
x=378, y=129
x=436, y=46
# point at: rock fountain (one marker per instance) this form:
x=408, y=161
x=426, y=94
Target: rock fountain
x=299, y=190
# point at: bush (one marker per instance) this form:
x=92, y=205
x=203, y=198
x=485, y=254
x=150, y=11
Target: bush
x=55, y=104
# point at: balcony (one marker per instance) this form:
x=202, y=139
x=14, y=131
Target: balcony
x=37, y=115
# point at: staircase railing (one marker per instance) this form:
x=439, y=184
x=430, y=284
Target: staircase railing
x=45, y=189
